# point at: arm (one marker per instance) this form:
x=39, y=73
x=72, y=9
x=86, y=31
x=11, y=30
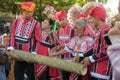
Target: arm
x=102, y=49
x=115, y=30
x=12, y=39
x=2, y=45
x=61, y=52
x=67, y=48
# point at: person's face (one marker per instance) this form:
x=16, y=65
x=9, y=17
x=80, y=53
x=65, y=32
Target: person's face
x=95, y=21
x=45, y=24
x=79, y=31
x=91, y=23
x=63, y=21
x=27, y=14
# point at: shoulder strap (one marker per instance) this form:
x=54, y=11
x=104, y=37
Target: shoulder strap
x=72, y=33
x=33, y=33
x=34, y=28
x=100, y=39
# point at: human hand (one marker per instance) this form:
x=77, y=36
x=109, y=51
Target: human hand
x=115, y=30
x=76, y=58
x=11, y=54
x=86, y=61
x=52, y=54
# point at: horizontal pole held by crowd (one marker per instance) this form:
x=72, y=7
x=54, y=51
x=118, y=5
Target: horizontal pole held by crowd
x=52, y=62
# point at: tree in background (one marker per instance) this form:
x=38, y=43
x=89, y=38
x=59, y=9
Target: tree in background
x=9, y=6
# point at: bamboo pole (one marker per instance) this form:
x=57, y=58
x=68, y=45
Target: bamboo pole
x=52, y=62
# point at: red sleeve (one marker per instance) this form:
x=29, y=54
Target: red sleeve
x=37, y=35
x=12, y=40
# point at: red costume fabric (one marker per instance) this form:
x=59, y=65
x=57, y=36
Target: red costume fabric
x=89, y=31
x=101, y=65
x=85, y=45
x=22, y=34
x=25, y=36
x=63, y=35
x=42, y=50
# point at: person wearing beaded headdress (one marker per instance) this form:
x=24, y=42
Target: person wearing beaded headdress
x=25, y=36
x=99, y=61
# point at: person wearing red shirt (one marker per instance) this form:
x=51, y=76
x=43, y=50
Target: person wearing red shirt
x=25, y=36
x=99, y=61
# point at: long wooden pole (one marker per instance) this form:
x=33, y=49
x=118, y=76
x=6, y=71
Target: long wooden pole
x=52, y=62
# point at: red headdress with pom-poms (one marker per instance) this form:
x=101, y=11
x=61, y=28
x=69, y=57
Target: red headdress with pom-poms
x=73, y=13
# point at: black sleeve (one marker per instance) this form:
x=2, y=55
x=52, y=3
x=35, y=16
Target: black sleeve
x=87, y=54
x=107, y=39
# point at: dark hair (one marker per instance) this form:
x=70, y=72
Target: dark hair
x=102, y=20
x=7, y=29
x=2, y=27
x=50, y=21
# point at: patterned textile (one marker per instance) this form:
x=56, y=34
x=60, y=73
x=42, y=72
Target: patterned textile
x=85, y=45
x=73, y=47
x=42, y=50
x=101, y=66
x=64, y=36
x=25, y=34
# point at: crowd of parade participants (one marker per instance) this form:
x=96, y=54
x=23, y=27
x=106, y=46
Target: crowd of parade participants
x=82, y=36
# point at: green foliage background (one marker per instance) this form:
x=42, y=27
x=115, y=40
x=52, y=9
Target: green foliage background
x=8, y=7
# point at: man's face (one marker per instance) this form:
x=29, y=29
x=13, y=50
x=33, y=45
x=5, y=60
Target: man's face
x=91, y=23
x=95, y=21
x=27, y=14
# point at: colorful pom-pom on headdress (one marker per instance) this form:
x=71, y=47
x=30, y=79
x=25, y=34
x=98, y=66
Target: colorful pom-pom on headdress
x=50, y=12
x=73, y=13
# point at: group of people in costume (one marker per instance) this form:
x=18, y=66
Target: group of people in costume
x=80, y=39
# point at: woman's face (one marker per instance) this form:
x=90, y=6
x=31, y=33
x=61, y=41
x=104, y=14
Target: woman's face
x=45, y=24
x=79, y=31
